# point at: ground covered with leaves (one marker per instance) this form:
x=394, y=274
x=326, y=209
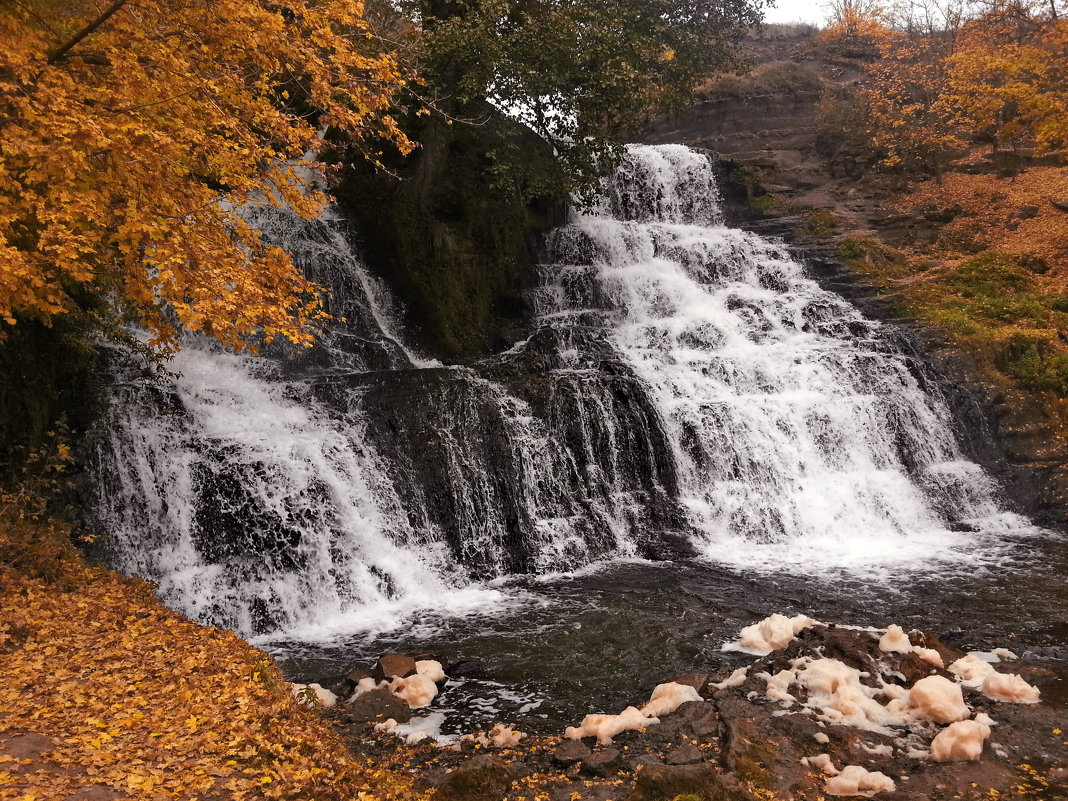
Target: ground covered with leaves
x=105, y=694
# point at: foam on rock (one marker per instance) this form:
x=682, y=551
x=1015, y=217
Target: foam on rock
x=855, y=780
x=605, y=727
x=971, y=670
x=736, y=679
x=960, y=742
x=431, y=669
x=895, y=641
x=313, y=695
x=939, y=699
x=770, y=634
x=416, y=691
x=821, y=762
x=1010, y=687
x=668, y=697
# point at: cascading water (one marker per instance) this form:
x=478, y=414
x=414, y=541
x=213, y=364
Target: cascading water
x=685, y=390
x=801, y=439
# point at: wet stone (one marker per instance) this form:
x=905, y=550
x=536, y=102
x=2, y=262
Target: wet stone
x=668, y=782
x=376, y=706
x=602, y=763
x=570, y=752
x=465, y=669
x=684, y=755
x=393, y=666
x=483, y=778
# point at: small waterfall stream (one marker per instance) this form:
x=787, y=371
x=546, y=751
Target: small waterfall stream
x=685, y=391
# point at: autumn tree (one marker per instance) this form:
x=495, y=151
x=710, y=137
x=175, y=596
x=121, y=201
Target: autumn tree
x=133, y=132
x=950, y=75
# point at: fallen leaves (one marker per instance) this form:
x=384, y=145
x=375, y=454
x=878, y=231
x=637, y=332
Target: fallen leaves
x=145, y=702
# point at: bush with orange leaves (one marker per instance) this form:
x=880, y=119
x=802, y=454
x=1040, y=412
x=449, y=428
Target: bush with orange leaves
x=130, y=131
x=998, y=79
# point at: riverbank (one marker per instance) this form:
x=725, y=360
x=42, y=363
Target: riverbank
x=108, y=695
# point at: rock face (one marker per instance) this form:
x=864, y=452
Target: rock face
x=484, y=778
x=376, y=706
x=453, y=240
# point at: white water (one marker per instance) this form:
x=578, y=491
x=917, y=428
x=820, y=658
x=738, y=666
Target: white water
x=802, y=440
x=683, y=358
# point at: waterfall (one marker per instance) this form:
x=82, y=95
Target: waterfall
x=685, y=390
x=801, y=437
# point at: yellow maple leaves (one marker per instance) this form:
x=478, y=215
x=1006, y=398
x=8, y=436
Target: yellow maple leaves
x=179, y=712
x=122, y=162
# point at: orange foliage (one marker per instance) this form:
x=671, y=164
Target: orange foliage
x=122, y=158
x=142, y=701
x=1000, y=78
x=1008, y=215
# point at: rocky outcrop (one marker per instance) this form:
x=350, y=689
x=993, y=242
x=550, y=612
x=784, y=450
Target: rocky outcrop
x=836, y=708
x=453, y=229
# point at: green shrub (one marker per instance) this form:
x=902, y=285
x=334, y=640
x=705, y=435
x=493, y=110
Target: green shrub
x=821, y=223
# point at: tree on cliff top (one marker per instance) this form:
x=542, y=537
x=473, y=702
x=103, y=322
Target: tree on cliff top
x=581, y=73
x=124, y=124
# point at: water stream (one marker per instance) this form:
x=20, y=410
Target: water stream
x=694, y=426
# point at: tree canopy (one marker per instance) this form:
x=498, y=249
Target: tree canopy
x=947, y=76
x=131, y=132
x=581, y=74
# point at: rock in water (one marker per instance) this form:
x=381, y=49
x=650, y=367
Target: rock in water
x=394, y=666
x=376, y=706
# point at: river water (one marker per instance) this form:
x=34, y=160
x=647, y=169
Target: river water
x=694, y=436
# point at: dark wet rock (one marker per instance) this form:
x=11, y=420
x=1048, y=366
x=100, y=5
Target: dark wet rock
x=465, y=669
x=645, y=760
x=376, y=706
x=482, y=778
x=393, y=666
x=669, y=782
x=598, y=792
x=570, y=752
x=695, y=680
x=684, y=755
x=602, y=763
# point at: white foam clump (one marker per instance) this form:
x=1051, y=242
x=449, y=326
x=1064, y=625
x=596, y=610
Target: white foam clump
x=976, y=672
x=1010, y=687
x=605, y=727
x=416, y=691
x=312, y=694
x=821, y=737
x=668, y=697
x=1004, y=653
x=821, y=762
x=939, y=699
x=835, y=688
x=736, y=679
x=430, y=668
x=895, y=640
x=960, y=742
x=770, y=634
x=971, y=670
x=855, y=780
x=504, y=736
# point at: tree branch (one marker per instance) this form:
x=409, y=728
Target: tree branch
x=88, y=29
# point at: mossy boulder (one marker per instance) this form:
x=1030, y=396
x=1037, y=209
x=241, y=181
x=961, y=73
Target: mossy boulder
x=455, y=227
